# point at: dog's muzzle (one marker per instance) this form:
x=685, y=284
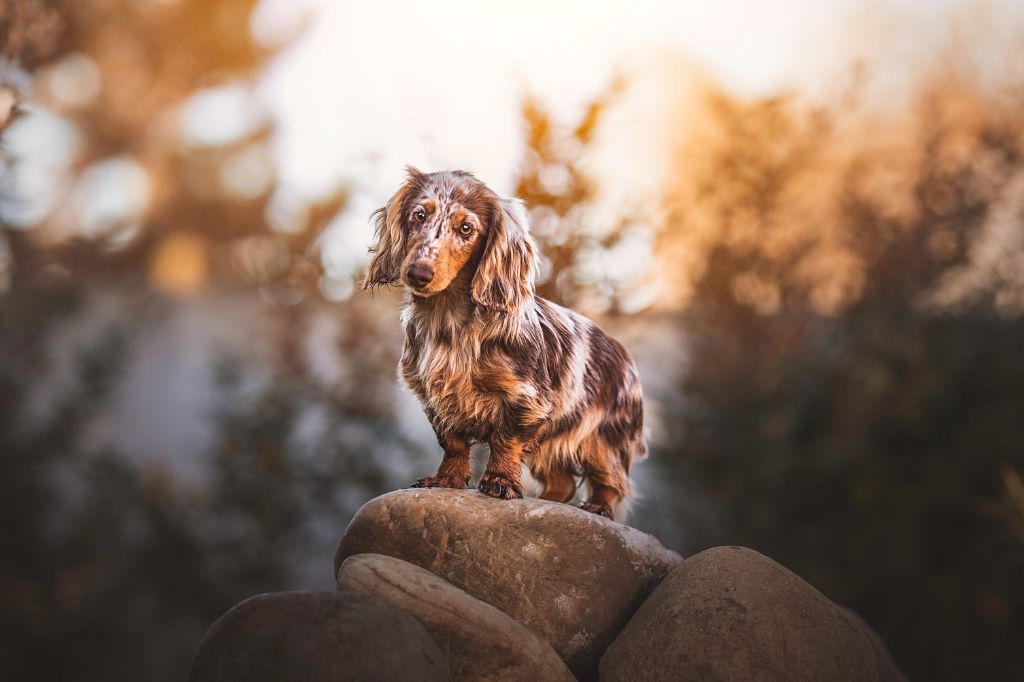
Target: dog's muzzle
x=419, y=275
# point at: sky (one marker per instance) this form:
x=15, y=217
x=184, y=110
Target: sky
x=371, y=87
x=440, y=83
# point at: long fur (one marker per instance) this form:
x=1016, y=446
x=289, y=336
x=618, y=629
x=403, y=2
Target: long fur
x=492, y=362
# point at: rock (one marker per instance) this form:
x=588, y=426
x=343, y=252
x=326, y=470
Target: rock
x=317, y=637
x=730, y=613
x=887, y=670
x=481, y=642
x=572, y=577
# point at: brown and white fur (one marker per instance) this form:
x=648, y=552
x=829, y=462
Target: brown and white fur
x=492, y=362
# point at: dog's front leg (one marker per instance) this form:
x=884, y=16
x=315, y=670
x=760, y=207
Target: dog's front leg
x=501, y=479
x=454, y=469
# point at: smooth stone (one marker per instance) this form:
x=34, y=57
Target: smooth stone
x=481, y=642
x=317, y=637
x=572, y=577
x=731, y=614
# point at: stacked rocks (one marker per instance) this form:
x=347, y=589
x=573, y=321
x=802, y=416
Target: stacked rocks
x=730, y=613
x=454, y=585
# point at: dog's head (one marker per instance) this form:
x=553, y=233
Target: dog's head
x=440, y=225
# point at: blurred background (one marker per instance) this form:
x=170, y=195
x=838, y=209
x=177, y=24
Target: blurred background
x=805, y=219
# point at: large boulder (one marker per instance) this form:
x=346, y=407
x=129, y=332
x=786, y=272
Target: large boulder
x=572, y=577
x=731, y=614
x=481, y=642
x=317, y=637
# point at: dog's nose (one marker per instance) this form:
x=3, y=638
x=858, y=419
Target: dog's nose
x=420, y=275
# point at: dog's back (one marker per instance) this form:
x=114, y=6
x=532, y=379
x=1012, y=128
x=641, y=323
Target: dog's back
x=595, y=428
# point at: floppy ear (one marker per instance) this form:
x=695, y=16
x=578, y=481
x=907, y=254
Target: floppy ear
x=505, y=278
x=390, y=235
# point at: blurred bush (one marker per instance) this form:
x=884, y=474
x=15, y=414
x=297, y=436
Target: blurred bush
x=113, y=563
x=855, y=384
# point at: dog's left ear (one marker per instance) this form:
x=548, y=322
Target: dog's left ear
x=389, y=229
x=507, y=274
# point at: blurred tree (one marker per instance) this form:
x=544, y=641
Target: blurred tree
x=193, y=195
x=559, y=192
x=113, y=567
x=853, y=407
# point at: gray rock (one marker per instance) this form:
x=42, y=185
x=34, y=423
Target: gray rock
x=572, y=577
x=481, y=642
x=317, y=637
x=730, y=613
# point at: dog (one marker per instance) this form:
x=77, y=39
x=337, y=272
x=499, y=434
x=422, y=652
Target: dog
x=492, y=362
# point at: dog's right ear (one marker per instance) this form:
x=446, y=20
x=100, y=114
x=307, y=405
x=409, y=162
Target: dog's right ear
x=390, y=235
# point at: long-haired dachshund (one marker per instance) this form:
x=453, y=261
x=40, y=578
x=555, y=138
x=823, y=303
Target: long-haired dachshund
x=492, y=362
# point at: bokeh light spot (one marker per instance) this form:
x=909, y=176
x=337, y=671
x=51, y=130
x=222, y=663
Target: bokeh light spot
x=179, y=264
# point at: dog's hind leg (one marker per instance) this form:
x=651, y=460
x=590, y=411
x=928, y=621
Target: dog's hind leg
x=607, y=481
x=602, y=500
x=559, y=485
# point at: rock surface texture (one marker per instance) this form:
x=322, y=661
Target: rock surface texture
x=454, y=585
x=730, y=613
x=317, y=637
x=481, y=642
x=571, y=577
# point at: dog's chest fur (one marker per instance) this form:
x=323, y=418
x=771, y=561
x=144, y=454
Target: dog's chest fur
x=466, y=385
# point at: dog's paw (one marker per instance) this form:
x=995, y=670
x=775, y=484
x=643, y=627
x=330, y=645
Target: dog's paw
x=439, y=482
x=599, y=509
x=500, y=486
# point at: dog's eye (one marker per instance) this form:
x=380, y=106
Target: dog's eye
x=420, y=215
x=465, y=229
